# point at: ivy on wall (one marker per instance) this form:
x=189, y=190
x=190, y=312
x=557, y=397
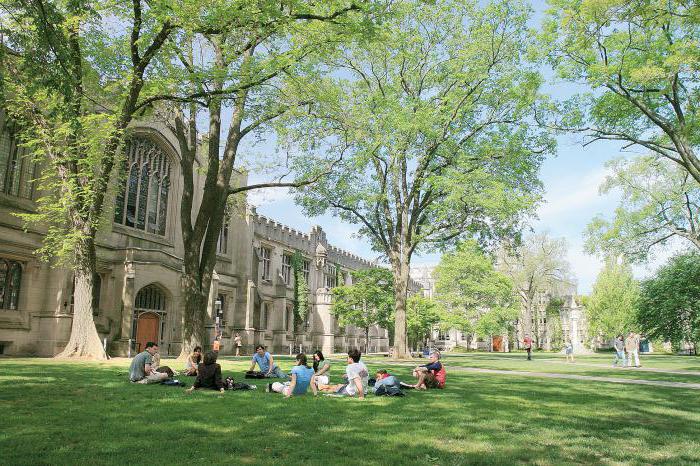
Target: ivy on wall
x=301, y=290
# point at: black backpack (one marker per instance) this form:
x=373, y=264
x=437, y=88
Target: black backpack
x=389, y=390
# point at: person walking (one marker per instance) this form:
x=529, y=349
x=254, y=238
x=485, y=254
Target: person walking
x=619, y=346
x=569, y=350
x=632, y=347
x=237, y=344
x=527, y=343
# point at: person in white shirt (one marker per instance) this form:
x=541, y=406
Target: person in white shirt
x=357, y=376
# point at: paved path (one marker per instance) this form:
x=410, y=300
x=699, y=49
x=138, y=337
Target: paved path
x=658, y=383
x=551, y=375
x=634, y=369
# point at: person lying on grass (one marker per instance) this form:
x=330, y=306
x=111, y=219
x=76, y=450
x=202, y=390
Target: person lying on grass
x=302, y=377
x=266, y=363
x=193, y=361
x=141, y=369
x=383, y=378
x=322, y=368
x=357, y=376
x=209, y=374
x=431, y=375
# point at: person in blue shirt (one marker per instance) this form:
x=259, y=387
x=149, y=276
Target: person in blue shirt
x=302, y=377
x=266, y=363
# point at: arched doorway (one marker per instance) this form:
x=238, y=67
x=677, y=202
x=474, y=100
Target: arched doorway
x=149, y=316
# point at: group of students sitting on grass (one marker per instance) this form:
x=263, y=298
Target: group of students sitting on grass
x=356, y=380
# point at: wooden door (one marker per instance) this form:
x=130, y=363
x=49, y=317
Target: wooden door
x=498, y=343
x=146, y=330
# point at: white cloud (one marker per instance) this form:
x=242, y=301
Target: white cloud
x=264, y=196
x=571, y=194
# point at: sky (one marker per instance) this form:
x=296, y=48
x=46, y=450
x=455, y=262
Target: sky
x=571, y=180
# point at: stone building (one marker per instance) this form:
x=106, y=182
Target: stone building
x=551, y=331
x=139, y=262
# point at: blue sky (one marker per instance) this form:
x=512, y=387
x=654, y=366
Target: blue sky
x=571, y=180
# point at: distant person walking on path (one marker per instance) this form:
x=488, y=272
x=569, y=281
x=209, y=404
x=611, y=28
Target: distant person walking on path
x=569, y=350
x=632, y=347
x=620, y=358
x=237, y=344
x=527, y=343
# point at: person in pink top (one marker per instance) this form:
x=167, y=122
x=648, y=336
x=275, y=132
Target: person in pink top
x=527, y=343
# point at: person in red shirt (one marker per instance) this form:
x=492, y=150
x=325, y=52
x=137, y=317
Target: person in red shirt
x=527, y=343
x=430, y=375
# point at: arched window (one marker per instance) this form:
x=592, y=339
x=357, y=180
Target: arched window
x=150, y=298
x=149, y=310
x=17, y=169
x=143, y=201
x=10, y=282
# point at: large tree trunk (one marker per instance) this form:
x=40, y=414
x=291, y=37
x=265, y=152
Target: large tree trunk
x=84, y=341
x=194, y=315
x=400, y=295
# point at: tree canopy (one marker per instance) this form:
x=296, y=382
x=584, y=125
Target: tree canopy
x=641, y=61
x=432, y=121
x=669, y=307
x=659, y=201
x=368, y=301
x=611, y=308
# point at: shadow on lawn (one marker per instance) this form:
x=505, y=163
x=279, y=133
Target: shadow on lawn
x=67, y=413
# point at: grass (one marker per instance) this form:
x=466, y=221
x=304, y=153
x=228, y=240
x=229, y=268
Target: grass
x=71, y=413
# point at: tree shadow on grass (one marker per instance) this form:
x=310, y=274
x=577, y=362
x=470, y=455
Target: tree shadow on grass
x=86, y=413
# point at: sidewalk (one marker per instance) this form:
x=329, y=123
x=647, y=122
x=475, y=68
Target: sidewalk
x=658, y=383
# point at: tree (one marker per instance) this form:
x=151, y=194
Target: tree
x=497, y=320
x=612, y=306
x=669, y=307
x=368, y=301
x=432, y=122
x=659, y=201
x=73, y=81
x=640, y=59
x=537, y=267
x=475, y=296
x=421, y=316
x=244, y=62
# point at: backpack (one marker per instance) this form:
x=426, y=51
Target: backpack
x=389, y=390
x=254, y=375
x=441, y=377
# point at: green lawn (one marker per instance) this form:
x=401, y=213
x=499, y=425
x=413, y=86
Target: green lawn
x=586, y=365
x=71, y=413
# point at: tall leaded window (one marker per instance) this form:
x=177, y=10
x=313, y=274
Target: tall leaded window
x=287, y=268
x=265, y=255
x=305, y=267
x=222, y=242
x=331, y=275
x=17, y=169
x=10, y=282
x=143, y=201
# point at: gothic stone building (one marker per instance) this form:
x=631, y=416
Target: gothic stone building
x=139, y=293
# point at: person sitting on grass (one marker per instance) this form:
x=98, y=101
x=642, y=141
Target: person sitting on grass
x=266, y=363
x=357, y=376
x=431, y=375
x=302, y=377
x=322, y=369
x=141, y=370
x=209, y=374
x=193, y=361
x=384, y=379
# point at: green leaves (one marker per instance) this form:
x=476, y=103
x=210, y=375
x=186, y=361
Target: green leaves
x=368, y=301
x=612, y=306
x=473, y=294
x=658, y=202
x=669, y=308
